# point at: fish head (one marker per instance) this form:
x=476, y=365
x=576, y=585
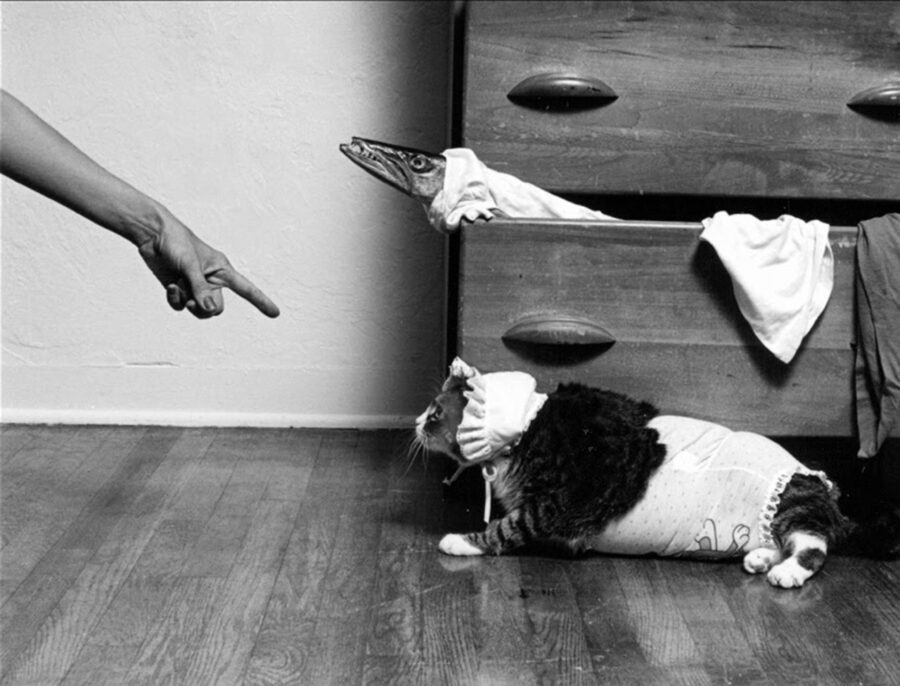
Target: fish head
x=415, y=172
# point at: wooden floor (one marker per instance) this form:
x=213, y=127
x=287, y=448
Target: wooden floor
x=212, y=556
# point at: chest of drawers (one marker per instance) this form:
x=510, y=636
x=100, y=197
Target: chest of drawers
x=715, y=98
x=652, y=106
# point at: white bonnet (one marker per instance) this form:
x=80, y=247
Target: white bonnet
x=499, y=410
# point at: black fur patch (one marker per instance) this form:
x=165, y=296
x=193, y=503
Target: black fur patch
x=808, y=506
x=585, y=459
x=811, y=559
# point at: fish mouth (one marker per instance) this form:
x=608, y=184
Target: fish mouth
x=364, y=153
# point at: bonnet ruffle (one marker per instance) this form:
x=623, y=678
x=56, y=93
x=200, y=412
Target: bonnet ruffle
x=500, y=408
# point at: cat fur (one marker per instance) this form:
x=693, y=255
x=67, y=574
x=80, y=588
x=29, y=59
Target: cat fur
x=586, y=459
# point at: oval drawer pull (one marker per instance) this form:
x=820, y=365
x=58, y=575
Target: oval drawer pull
x=551, y=329
x=881, y=102
x=561, y=92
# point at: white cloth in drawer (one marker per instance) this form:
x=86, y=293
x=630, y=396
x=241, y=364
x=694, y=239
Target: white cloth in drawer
x=782, y=271
x=714, y=495
x=473, y=191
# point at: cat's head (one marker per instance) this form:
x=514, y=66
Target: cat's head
x=436, y=427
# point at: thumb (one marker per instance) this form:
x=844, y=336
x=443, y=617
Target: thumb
x=206, y=298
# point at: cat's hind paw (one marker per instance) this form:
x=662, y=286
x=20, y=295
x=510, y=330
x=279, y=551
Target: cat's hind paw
x=456, y=544
x=761, y=560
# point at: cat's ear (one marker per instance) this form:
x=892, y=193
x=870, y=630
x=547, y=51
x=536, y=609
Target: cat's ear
x=460, y=372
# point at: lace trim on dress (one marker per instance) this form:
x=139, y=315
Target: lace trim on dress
x=770, y=508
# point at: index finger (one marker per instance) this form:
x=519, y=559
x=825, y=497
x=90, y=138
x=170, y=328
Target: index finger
x=228, y=276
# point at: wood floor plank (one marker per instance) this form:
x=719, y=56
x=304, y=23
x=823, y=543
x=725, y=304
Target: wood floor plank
x=35, y=449
x=101, y=666
x=698, y=592
x=344, y=618
x=282, y=646
x=167, y=651
x=558, y=645
x=13, y=437
x=52, y=503
x=289, y=457
x=660, y=629
x=130, y=524
x=29, y=509
x=771, y=620
x=28, y=602
x=410, y=520
x=397, y=609
x=609, y=633
x=869, y=627
x=475, y=620
x=817, y=637
x=202, y=544
x=284, y=650
x=142, y=594
x=32, y=477
x=255, y=557
x=392, y=670
x=223, y=653
x=348, y=484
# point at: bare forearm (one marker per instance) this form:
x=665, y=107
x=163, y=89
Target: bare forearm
x=36, y=155
x=39, y=157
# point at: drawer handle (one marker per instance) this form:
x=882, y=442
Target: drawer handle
x=561, y=92
x=881, y=102
x=552, y=329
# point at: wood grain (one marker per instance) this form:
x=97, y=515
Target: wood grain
x=681, y=341
x=240, y=556
x=727, y=98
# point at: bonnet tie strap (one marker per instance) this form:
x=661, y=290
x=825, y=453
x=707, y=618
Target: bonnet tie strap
x=489, y=473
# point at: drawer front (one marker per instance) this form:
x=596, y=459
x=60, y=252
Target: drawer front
x=680, y=340
x=727, y=98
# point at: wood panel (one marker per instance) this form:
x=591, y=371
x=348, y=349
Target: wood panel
x=728, y=98
x=331, y=574
x=681, y=341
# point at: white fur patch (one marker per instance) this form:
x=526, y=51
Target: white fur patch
x=455, y=544
x=761, y=560
x=802, y=541
x=788, y=574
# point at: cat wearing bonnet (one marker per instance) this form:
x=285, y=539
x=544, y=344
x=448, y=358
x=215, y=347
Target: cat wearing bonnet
x=587, y=469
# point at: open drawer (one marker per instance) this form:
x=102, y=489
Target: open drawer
x=540, y=296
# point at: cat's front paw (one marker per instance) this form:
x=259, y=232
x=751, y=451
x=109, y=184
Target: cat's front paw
x=456, y=544
x=788, y=574
x=761, y=560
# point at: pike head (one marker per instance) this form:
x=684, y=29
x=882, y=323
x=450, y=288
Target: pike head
x=417, y=173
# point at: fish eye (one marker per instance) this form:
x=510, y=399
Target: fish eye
x=418, y=163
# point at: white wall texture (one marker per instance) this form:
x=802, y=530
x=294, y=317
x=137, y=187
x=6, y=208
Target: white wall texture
x=230, y=114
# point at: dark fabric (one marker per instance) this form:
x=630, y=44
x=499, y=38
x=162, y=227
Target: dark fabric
x=877, y=331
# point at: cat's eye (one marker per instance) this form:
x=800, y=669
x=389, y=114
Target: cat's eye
x=437, y=413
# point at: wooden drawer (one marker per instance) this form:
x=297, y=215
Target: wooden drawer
x=681, y=341
x=725, y=98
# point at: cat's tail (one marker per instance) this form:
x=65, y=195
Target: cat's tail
x=875, y=534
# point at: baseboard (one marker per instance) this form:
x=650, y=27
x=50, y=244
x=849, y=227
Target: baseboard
x=380, y=397
x=211, y=419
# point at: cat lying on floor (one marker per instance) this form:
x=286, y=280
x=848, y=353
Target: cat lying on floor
x=590, y=469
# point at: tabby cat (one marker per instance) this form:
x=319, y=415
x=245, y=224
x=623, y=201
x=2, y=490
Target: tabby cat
x=591, y=469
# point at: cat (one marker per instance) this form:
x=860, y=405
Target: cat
x=585, y=468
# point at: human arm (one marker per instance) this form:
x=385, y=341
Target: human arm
x=193, y=273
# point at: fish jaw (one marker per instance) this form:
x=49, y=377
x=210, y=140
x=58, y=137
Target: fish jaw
x=416, y=173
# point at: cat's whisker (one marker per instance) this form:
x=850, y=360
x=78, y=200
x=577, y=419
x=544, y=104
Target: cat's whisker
x=415, y=449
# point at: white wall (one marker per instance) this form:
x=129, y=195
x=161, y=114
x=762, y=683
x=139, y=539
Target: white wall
x=230, y=114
